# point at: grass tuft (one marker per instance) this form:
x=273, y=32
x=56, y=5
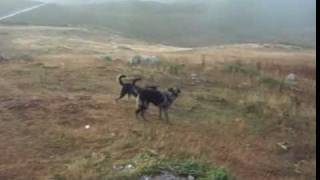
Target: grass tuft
x=239, y=67
x=148, y=164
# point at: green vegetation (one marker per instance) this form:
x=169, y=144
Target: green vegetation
x=107, y=59
x=149, y=164
x=239, y=67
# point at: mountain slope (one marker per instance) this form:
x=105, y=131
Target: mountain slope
x=190, y=24
x=7, y=6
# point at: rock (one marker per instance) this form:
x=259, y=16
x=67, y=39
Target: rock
x=291, y=79
x=165, y=175
x=129, y=166
x=152, y=59
x=117, y=167
x=138, y=59
x=144, y=178
x=135, y=60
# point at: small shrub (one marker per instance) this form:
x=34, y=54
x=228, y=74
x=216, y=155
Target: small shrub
x=108, y=59
x=174, y=69
x=255, y=108
x=217, y=174
x=268, y=80
x=184, y=168
x=151, y=164
x=238, y=67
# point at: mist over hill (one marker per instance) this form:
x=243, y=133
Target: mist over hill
x=188, y=23
x=7, y=6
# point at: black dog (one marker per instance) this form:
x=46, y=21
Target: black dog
x=130, y=89
x=162, y=99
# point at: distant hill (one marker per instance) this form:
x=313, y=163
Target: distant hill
x=7, y=6
x=199, y=23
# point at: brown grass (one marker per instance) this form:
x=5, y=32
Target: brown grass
x=231, y=119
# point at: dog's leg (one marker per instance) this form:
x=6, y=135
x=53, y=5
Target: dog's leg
x=144, y=109
x=139, y=105
x=144, y=106
x=166, y=115
x=160, y=113
x=122, y=94
x=142, y=114
x=138, y=111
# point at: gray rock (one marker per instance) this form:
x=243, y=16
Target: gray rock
x=165, y=175
x=190, y=177
x=291, y=79
x=138, y=59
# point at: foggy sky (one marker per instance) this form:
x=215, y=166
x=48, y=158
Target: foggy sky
x=100, y=1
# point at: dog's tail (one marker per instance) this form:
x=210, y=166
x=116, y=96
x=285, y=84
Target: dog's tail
x=119, y=79
x=134, y=81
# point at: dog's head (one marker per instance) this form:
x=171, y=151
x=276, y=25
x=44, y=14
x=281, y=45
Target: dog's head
x=174, y=91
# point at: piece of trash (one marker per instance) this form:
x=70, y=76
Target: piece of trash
x=129, y=166
x=87, y=126
x=283, y=145
x=118, y=167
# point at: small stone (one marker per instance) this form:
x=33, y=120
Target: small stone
x=117, y=167
x=191, y=177
x=291, y=79
x=129, y=166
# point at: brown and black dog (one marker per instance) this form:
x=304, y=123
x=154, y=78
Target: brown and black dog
x=162, y=99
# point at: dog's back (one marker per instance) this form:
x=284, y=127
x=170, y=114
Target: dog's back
x=151, y=95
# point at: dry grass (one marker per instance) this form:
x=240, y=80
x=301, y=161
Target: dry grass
x=233, y=120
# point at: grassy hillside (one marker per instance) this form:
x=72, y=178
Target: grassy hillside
x=190, y=24
x=237, y=118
